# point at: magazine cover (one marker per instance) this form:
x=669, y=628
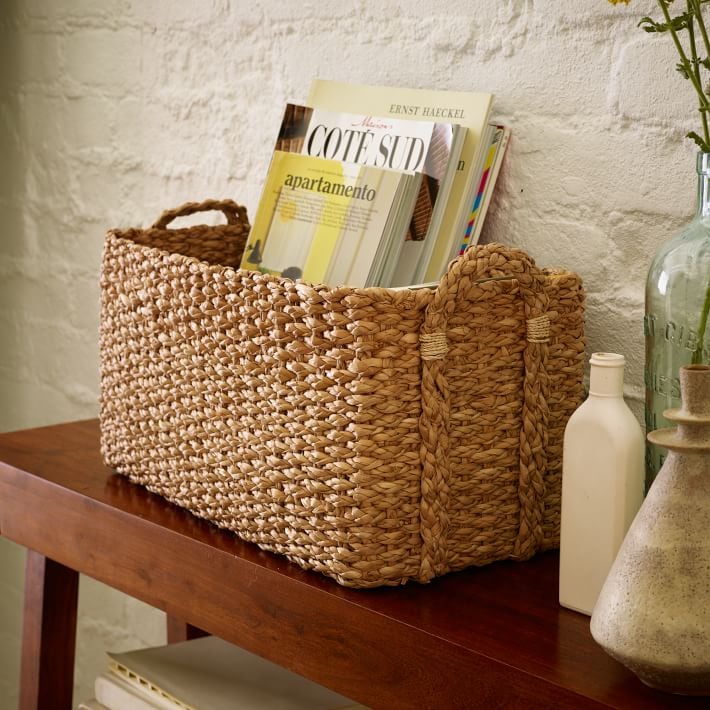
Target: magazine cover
x=427, y=147
x=326, y=221
x=468, y=109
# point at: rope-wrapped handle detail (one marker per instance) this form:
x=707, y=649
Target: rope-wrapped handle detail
x=539, y=329
x=234, y=213
x=434, y=346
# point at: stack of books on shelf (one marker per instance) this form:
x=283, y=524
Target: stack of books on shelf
x=376, y=186
x=205, y=674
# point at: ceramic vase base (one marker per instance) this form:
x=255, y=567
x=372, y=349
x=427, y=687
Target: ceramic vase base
x=653, y=613
x=665, y=679
x=671, y=683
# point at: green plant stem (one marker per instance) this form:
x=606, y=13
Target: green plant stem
x=697, y=358
x=683, y=58
x=701, y=25
x=703, y=31
x=694, y=14
x=693, y=72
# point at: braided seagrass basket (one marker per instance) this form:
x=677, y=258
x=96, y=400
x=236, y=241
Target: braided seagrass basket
x=374, y=435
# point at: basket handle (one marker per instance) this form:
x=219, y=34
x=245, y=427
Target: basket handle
x=234, y=213
x=483, y=261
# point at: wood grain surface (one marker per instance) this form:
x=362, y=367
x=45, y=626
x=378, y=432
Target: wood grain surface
x=490, y=637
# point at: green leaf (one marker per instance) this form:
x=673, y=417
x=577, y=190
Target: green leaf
x=706, y=62
x=682, y=21
x=698, y=141
x=682, y=70
x=648, y=24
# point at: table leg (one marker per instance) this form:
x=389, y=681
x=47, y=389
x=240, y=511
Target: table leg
x=48, y=634
x=179, y=630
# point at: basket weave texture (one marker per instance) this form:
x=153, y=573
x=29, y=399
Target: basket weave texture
x=374, y=435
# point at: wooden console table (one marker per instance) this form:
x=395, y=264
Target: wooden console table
x=492, y=637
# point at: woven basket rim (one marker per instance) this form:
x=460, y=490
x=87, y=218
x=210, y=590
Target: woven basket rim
x=398, y=296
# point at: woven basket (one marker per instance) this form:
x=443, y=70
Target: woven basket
x=374, y=435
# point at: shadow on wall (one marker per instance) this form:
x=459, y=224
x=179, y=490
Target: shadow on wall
x=57, y=108
x=12, y=561
x=48, y=258
x=16, y=248
x=14, y=290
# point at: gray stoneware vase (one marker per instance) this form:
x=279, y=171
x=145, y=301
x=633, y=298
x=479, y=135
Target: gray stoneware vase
x=653, y=613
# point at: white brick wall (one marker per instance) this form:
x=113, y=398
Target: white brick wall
x=111, y=110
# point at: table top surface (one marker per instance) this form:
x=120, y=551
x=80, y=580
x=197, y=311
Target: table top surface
x=491, y=636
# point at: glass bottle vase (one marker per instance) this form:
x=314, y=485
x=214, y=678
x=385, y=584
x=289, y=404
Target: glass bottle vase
x=676, y=314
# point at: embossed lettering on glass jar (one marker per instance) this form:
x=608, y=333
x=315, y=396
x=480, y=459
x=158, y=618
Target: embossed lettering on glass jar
x=677, y=305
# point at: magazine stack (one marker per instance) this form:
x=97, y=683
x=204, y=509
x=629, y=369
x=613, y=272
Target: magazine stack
x=374, y=186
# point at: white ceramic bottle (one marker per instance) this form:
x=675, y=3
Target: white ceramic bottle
x=602, y=483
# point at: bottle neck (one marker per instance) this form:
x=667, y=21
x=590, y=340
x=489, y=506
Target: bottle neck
x=606, y=375
x=703, y=168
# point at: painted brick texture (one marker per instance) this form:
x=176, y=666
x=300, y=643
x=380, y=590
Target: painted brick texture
x=112, y=110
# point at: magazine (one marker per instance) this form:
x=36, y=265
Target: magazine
x=468, y=109
x=328, y=221
x=431, y=148
x=494, y=160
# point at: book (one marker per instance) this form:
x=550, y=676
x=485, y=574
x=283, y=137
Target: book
x=427, y=147
x=494, y=160
x=116, y=693
x=468, y=109
x=328, y=221
x=208, y=673
x=92, y=704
